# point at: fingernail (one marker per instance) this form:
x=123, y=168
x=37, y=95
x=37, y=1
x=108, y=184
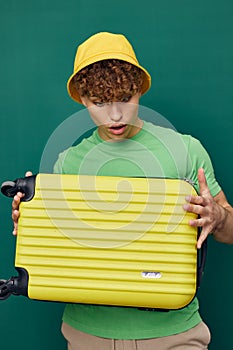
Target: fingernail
x=188, y=198
x=185, y=206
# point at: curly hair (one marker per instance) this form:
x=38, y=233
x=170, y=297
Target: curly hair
x=109, y=80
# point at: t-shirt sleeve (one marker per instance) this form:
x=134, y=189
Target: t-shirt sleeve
x=199, y=158
x=58, y=166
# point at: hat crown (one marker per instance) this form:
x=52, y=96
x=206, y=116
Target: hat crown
x=103, y=43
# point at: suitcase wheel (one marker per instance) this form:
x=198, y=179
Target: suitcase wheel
x=8, y=188
x=25, y=185
x=4, y=290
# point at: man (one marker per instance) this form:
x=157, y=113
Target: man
x=108, y=81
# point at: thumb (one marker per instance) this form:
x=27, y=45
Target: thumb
x=203, y=187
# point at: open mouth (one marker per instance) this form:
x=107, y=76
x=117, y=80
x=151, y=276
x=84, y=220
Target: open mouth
x=117, y=129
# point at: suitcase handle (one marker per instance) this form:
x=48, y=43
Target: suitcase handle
x=25, y=185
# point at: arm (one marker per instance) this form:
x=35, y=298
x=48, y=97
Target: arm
x=215, y=213
x=224, y=231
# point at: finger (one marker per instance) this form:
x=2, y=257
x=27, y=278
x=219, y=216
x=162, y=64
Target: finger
x=197, y=223
x=194, y=208
x=15, y=231
x=201, y=239
x=15, y=216
x=16, y=200
x=203, y=187
x=28, y=173
x=196, y=200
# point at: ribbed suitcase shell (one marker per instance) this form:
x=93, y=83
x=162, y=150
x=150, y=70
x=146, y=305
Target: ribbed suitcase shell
x=108, y=240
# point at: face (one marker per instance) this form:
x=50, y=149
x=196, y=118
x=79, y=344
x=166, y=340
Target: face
x=117, y=120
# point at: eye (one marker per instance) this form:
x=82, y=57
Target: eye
x=99, y=104
x=126, y=99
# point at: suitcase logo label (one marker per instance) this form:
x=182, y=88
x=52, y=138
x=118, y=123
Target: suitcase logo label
x=151, y=274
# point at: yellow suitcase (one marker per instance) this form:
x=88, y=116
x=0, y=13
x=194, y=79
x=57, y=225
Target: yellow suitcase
x=105, y=240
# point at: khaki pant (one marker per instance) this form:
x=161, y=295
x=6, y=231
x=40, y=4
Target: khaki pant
x=196, y=338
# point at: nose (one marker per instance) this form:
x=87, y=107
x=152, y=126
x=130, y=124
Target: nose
x=115, y=112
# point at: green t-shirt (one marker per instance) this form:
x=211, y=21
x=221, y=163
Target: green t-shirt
x=153, y=152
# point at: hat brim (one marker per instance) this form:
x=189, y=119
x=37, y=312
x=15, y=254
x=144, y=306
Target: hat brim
x=104, y=56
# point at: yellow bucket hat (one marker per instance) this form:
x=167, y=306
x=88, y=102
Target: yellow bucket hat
x=103, y=46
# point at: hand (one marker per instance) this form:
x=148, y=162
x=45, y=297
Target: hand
x=210, y=213
x=15, y=207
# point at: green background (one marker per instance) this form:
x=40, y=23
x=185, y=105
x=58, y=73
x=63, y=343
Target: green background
x=186, y=45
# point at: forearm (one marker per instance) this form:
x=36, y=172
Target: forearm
x=224, y=230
